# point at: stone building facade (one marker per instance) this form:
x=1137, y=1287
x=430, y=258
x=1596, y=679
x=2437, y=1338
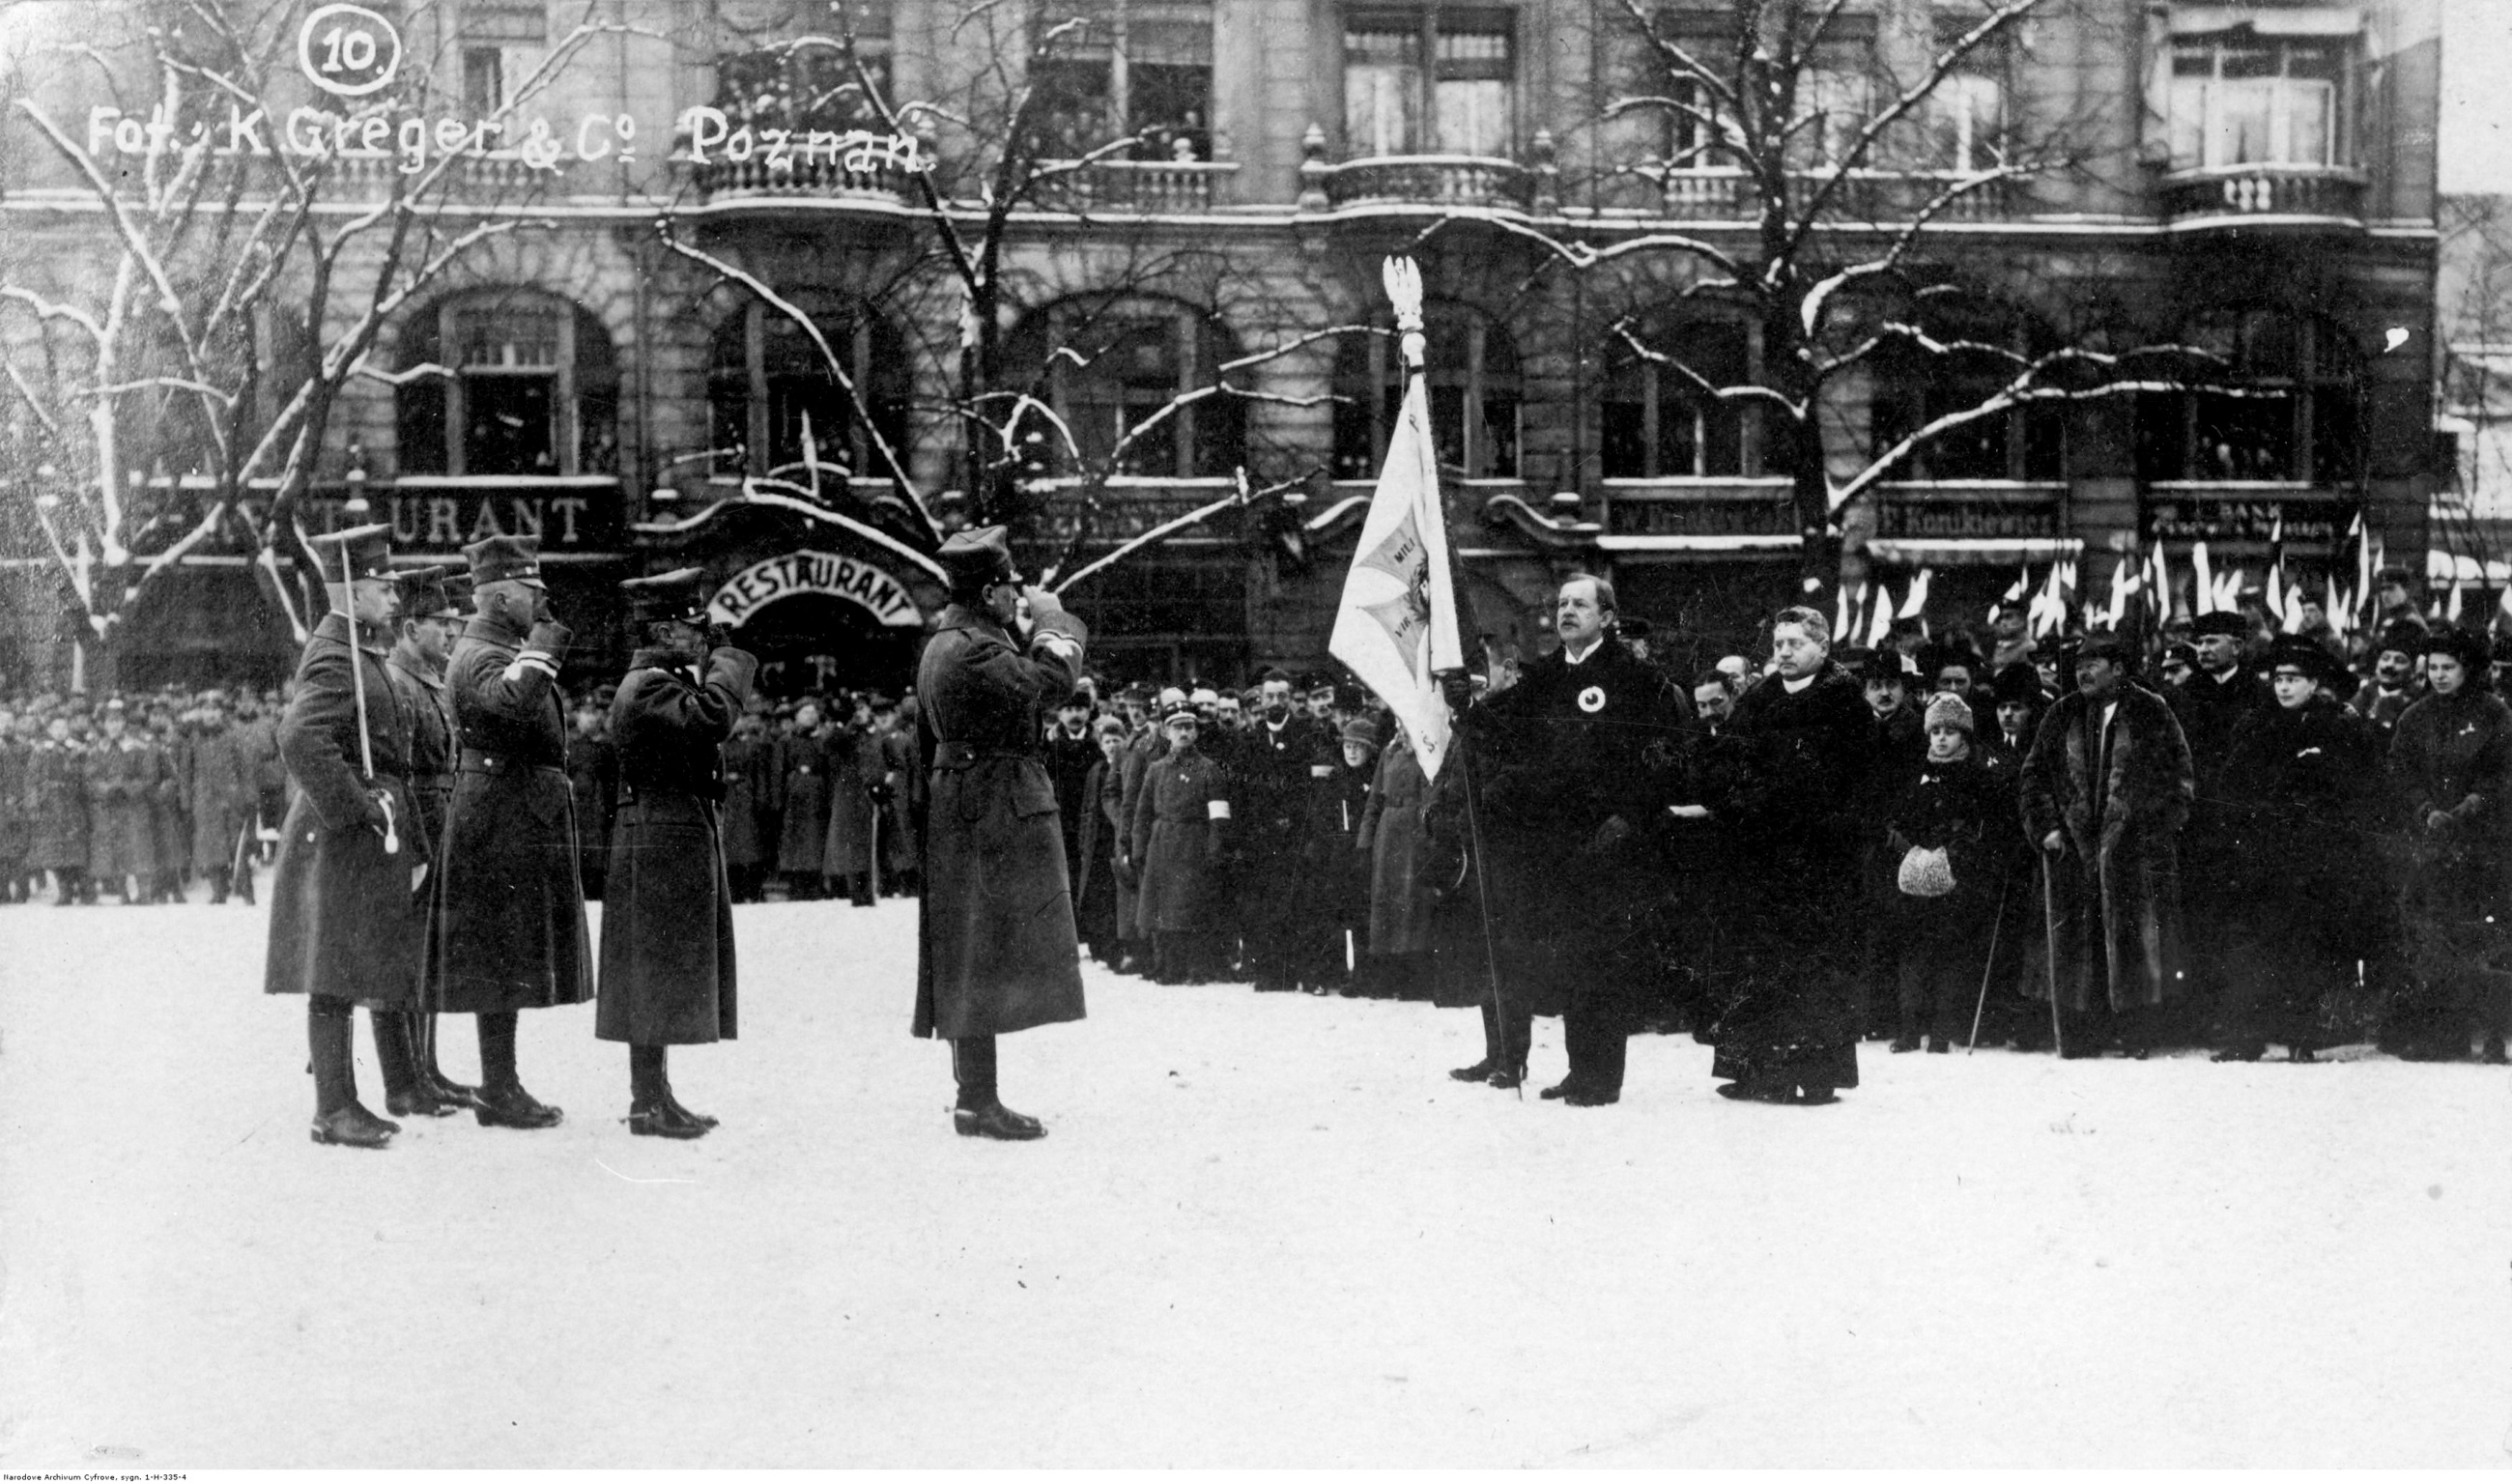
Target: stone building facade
x=2255, y=180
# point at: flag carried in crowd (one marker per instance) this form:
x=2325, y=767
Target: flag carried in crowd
x=1397, y=623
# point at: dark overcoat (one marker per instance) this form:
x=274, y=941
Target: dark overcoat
x=1181, y=825
x=667, y=958
x=1133, y=761
x=431, y=739
x=899, y=850
x=219, y=795
x=799, y=792
x=16, y=808
x=1557, y=759
x=2117, y=883
x=745, y=762
x=1333, y=873
x=1275, y=774
x=56, y=806
x=2452, y=754
x=1094, y=886
x=343, y=920
x=593, y=776
x=853, y=755
x=507, y=927
x=124, y=781
x=997, y=947
x=1796, y=771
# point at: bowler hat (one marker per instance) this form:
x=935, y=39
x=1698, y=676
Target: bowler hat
x=505, y=558
x=359, y=551
x=2018, y=681
x=679, y=596
x=978, y=557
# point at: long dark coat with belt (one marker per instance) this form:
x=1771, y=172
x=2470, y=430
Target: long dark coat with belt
x=745, y=788
x=1177, y=839
x=1133, y=761
x=1557, y=758
x=431, y=739
x=218, y=797
x=56, y=806
x=1797, y=770
x=854, y=771
x=2118, y=879
x=799, y=792
x=507, y=930
x=667, y=958
x=343, y=920
x=124, y=781
x=997, y=949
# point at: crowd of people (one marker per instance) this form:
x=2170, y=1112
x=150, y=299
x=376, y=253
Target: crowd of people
x=138, y=796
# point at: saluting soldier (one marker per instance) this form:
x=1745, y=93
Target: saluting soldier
x=996, y=951
x=667, y=948
x=507, y=931
x=430, y=622
x=344, y=926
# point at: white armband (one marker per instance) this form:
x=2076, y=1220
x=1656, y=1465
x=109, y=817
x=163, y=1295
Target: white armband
x=1320, y=770
x=1218, y=809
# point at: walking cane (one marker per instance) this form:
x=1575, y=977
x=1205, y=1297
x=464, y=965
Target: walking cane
x=2050, y=922
x=1996, y=925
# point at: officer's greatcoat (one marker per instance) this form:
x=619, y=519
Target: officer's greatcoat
x=507, y=931
x=996, y=947
x=343, y=922
x=667, y=961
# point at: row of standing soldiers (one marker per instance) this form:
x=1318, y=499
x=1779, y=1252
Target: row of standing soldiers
x=135, y=800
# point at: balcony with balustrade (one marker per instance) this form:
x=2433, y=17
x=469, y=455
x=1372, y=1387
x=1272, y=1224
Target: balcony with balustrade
x=1730, y=194
x=803, y=174
x=1136, y=187
x=2305, y=198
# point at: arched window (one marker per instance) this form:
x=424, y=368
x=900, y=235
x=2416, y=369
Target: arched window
x=2287, y=408
x=533, y=388
x=1986, y=346
x=1659, y=424
x=1476, y=390
x=767, y=382
x=1108, y=368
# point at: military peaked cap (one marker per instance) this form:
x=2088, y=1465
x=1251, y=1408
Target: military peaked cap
x=674, y=597
x=505, y=558
x=359, y=551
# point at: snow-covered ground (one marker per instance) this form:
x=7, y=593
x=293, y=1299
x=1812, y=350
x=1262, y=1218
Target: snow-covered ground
x=1264, y=1231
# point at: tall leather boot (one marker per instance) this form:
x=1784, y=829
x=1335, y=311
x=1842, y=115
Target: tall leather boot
x=422, y=1033
x=663, y=1075
x=980, y=1110
x=503, y=1103
x=338, y=1117
x=405, y=1092
x=650, y=1109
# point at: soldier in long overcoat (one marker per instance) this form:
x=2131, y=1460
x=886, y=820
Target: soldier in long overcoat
x=996, y=944
x=593, y=776
x=1572, y=765
x=746, y=756
x=900, y=853
x=2105, y=791
x=17, y=822
x=126, y=773
x=431, y=622
x=507, y=931
x=799, y=793
x=853, y=753
x=1178, y=839
x=344, y=926
x=667, y=947
x=1140, y=750
x=218, y=794
x=56, y=809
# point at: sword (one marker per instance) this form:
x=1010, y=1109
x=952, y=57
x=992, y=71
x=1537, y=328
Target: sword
x=358, y=687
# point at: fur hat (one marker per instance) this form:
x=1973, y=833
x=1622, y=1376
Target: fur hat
x=1948, y=709
x=2230, y=625
x=2470, y=649
x=2402, y=639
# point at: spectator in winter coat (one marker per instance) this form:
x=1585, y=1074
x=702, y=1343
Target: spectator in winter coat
x=746, y=758
x=125, y=773
x=799, y=794
x=1960, y=802
x=2105, y=791
x=16, y=821
x=58, y=808
x=1181, y=834
x=2451, y=765
x=1330, y=906
x=1391, y=832
x=2303, y=784
x=217, y=792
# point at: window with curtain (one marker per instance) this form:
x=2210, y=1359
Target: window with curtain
x=1139, y=70
x=1441, y=80
x=2241, y=99
x=1659, y=423
x=1473, y=385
